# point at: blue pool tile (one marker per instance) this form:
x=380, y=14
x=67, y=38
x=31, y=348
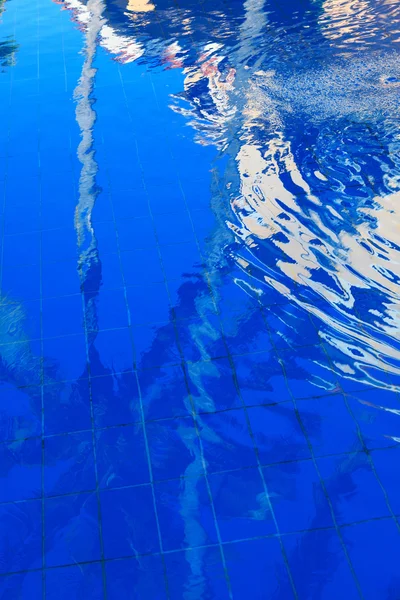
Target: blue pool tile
x=141, y=266
x=241, y=505
x=261, y=379
x=385, y=463
x=196, y=573
x=185, y=513
x=20, y=412
x=136, y=233
x=180, y=260
x=166, y=199
x=164, y=392
x=135, y=578
x=71, y=309
x=53, y=285
x=129, y=523
x=297, y=497
x=20, y=217
x=69, y=464
x=309, y=372
x=375, y=568
x=21, y=536
x=66, y=407
x=246, y=333
x=64, y=358
x=277, y=433
x=83, y=582
x=259, y=566
x=22, y=585
x=378, y=426
x=353, y=488
x=226, y=441
x=148, y=303
x=110, y=309
x=71, y=529
x=329, y=425
x=212, y=385
x=59, y=244
x=130, y=202
x=110, y=352
x=201, y=338
x=184, y=293
x=106, y=238
x=21, y=249
x=21, y=283
x=155, y=345
x=174, y=448
x=115, y=399
x=121, y=456
x=20, y=470
x=319, y=565
x=174, y=228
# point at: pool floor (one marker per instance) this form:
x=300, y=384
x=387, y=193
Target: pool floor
x=199, y=300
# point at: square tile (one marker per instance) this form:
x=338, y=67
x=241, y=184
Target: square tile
x=277, y=433
x=72, y=529
x=329, y=426
x=246, y=333
x=212, y=385
x=155, y=345
x=121, y=456
x=21, y=249
x=59, y=244
x=20, y=411
x=129, y=524
x=373, y=548
x=386, y=466
x=115, y=399
x=69, y=464
x=77, y=581
x=198, y=572
x=141, y=266
x=378, y=425
x=297, y=497
x=241, y=505
x=66, y=407
x=258, y=565
x=62, y=316
x=319, y=566
x=110, y=352
x=181, y=261
x=164, y=393
x=64, y=358
x=21, y=282
x=21, y=536
x=109, y=308
x=136, y=578
x=23, y=586
x=174, y=448
x=174, y=228
x=201, y=339
x=21, y=470
x=136, y=233
x=148, y=303
x=261, y=379
x=354, y=491
x=309, y=372
x=226, y=441
x=185, y=513
x=53, y=285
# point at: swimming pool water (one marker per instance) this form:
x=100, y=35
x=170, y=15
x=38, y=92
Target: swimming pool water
x=199, y=300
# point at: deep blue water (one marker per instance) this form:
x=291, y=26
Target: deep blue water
x=200, y=300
